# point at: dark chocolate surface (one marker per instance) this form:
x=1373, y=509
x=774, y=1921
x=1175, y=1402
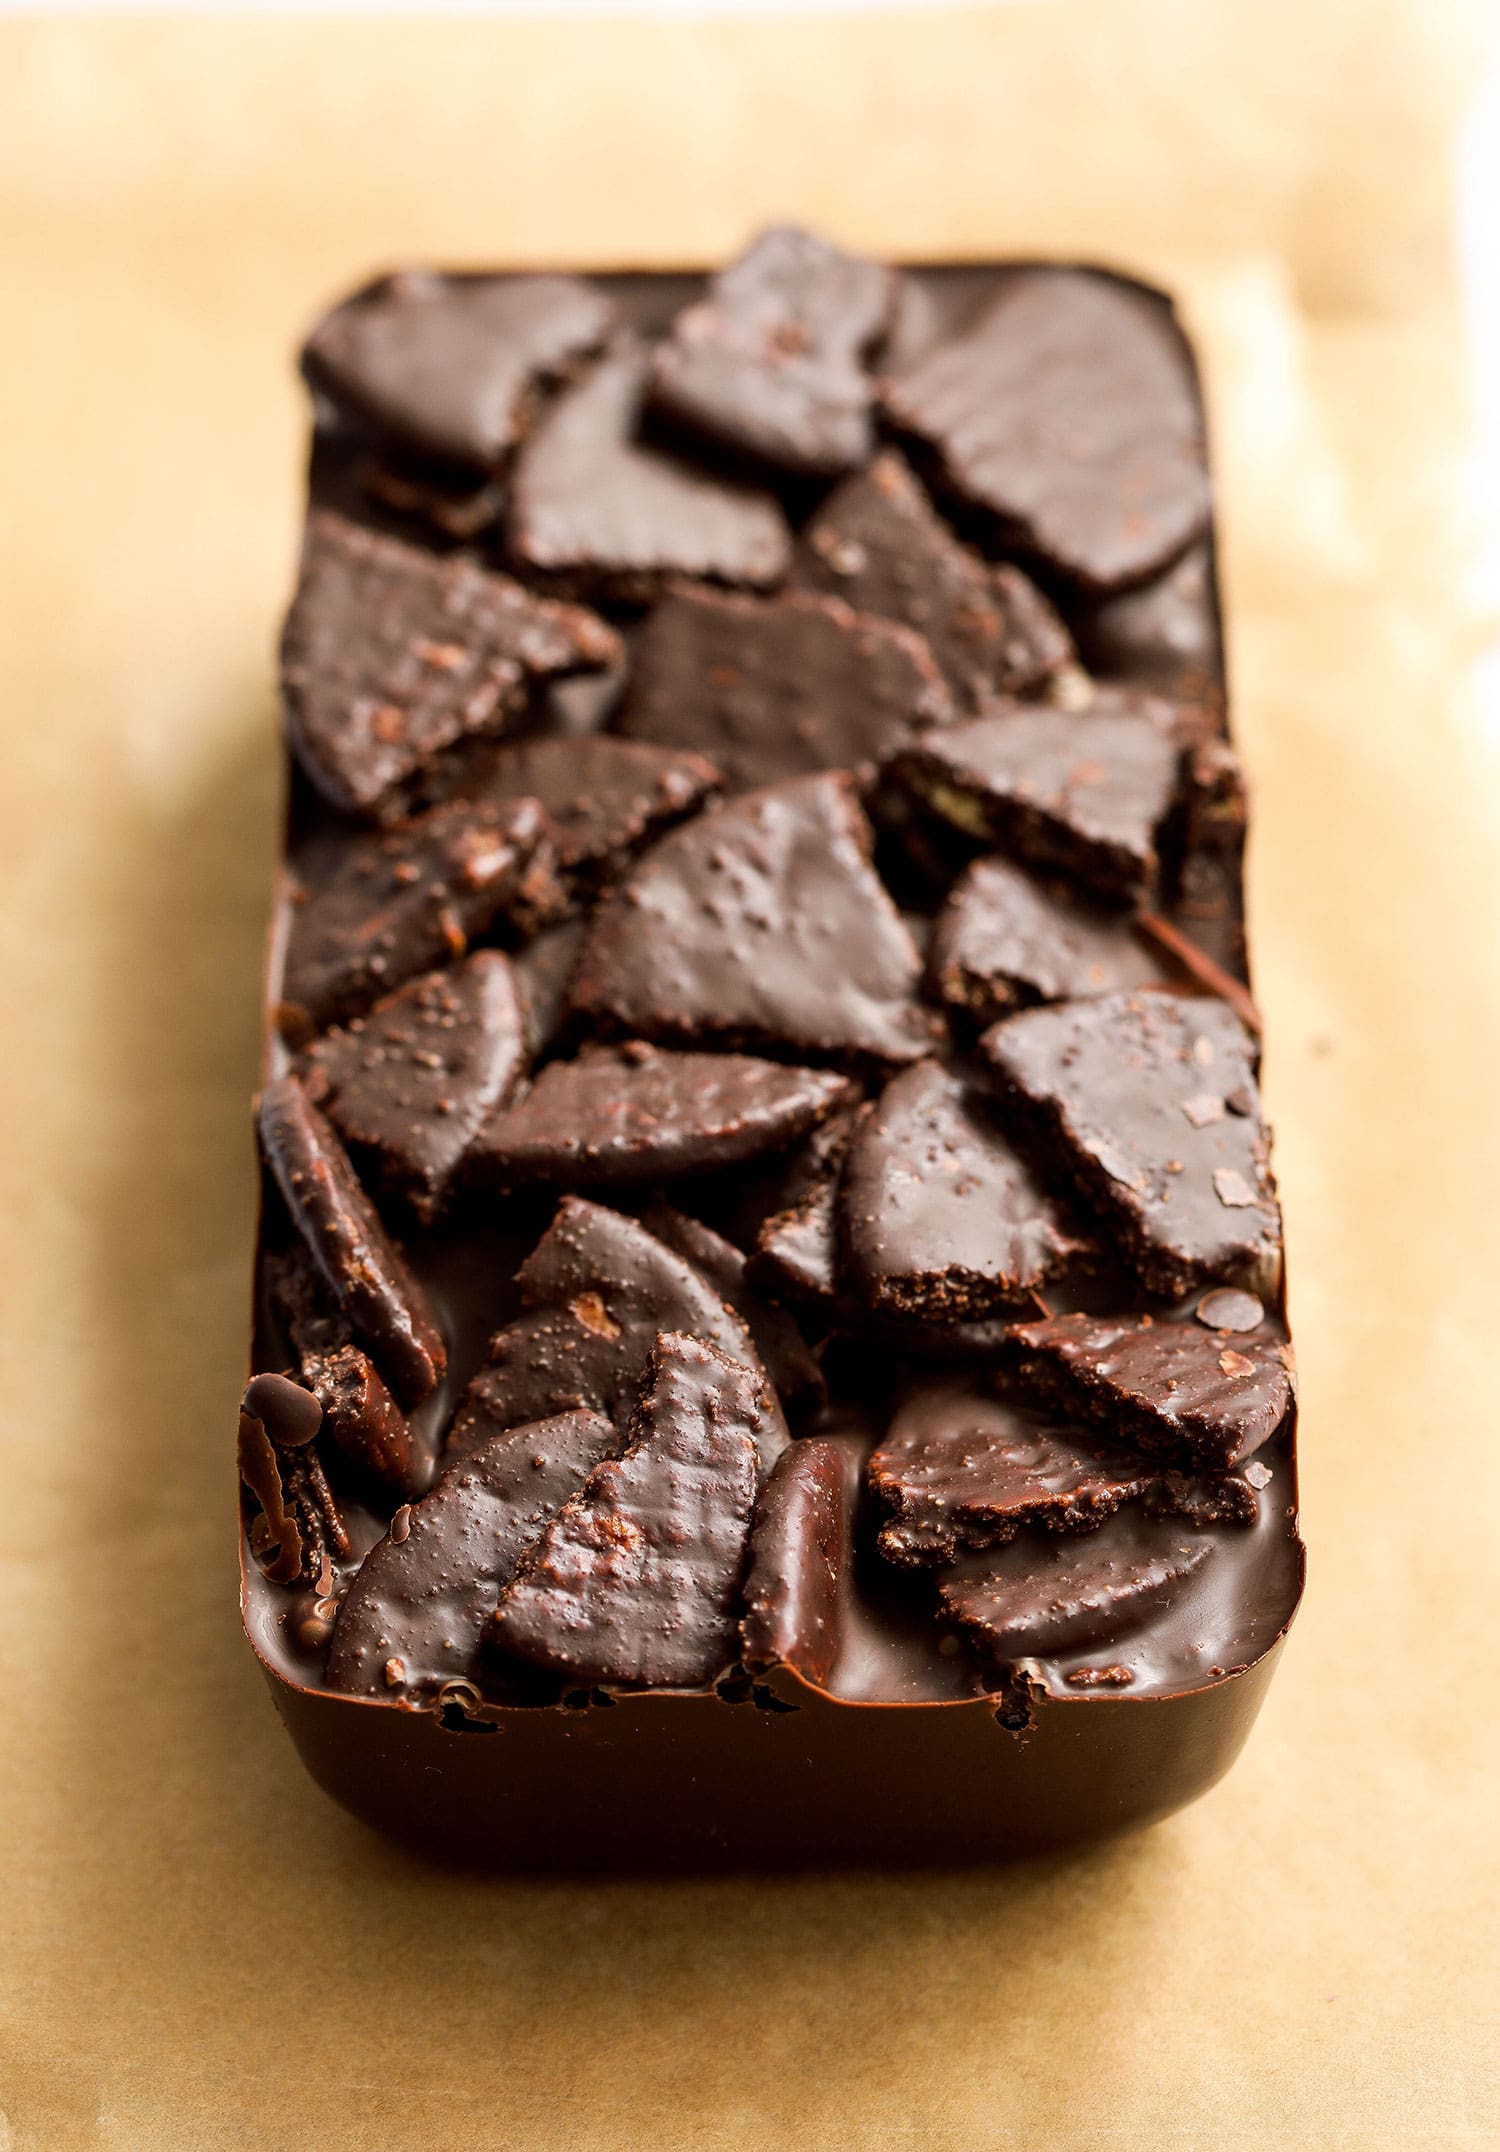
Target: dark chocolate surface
x=782, y=1510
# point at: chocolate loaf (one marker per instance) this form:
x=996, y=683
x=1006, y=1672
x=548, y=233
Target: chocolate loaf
x=769, y=1335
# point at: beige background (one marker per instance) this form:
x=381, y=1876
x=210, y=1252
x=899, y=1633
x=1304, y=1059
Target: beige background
x=195, y=1949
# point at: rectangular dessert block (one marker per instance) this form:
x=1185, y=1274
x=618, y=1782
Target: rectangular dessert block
x=769, y=1338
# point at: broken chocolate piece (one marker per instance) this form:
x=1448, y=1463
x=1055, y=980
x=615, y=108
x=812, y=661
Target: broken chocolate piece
x=391, y=653
x=1067, y=413
x=301, y=1306
x=300, y=1528
x=421, y=1598
x=1102, y=1085
x=940, y=1216
x=623, y=1116
x=1165, y=1386
x=594, y=505
x=772, y=688
x=410, y=1085
x=770, y=364
x=636, y=1578
x=372, y=908
x=446, y=365
x=365, y=1421
x=544, y=971
x=1163, y=636
x=344, y=1236
x=879, y=544
x=1079, y=791
x=785, y=1353
x=797, y=1250
x=1004, y=940
x=761, y=924
x=1034, y=1599
x=602, y=1290
x=959, y=1469
x=801, y=1552
x=604, y=797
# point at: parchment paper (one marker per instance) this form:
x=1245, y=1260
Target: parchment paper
x=195, y=1948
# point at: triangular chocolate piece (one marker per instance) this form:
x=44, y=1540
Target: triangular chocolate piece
x=628, y=1115
x=604, y=797
x=370, y=909
x=940, y=1215
x=772, y=688
x=385, y=1306
x=1067, y=413
x=602, y=1289
x=595, y=506
x=1004, y=940
x=410, y=1085
x=760, y=924
x=391, y=653
x=879, y=544
x=448, y=365
x=636, y=1580
x=1083, y=792
x=1149, y=1102
x=413, y=1618
x=770, y=363
x=1174, y=1386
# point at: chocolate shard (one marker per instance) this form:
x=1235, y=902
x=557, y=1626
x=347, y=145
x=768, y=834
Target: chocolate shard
x=772, y=688
x=621, y=1117
x=960, y=1469
x=603, y=797
x=1035, y=1599
x=770, y=364
x=595, y=506
x=1067, y=414
x=1081, y=792
x=370, y=909
x=939, y=1214
x=1149, y=1103
x=544, y=972
x=366, y=1423
x=301, y=1306
x=412, y=1619
x=1166, y=1386
x=410, y=1085
x=300, y=1530
x=878, y=543
x=449, y=366
x=391, y=654
x=602, y=1290
x=785, y=1353
x=636, y=1580
x=382, y=1301
x=801, y=1553
x=1163, y=636
x=743, y=1201
x=459, y=503
x=797, y=1250
x=760, y=924
x=1005, y=940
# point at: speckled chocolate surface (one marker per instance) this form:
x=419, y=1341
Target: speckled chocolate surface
x=767, y=1210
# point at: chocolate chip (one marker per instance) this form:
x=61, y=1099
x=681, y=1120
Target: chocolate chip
x=1100, y=1085
x=1081, y=792
x=625, y=1116
x=446, y=365
x=596, y=506
x=636, y=1579
x=410, y=1085
x=370, y=909
x=1068, y=414
x=770, y=363
x=360, y=1265
x=1229, y=1309
x=423, y=1595
x=879, y=544
x=760, y=924
x=290, y=1414
x=1161, y=1385
x=940, y=1215
x=772, y=688
x=391, y=654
